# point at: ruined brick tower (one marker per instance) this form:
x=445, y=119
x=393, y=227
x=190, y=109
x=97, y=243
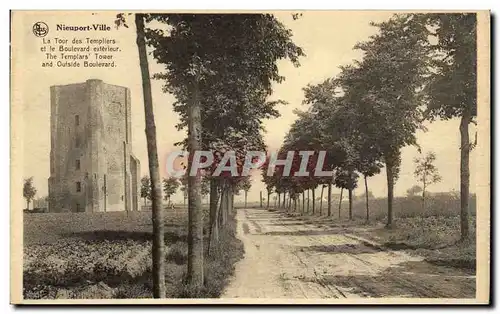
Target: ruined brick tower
x=92, y=168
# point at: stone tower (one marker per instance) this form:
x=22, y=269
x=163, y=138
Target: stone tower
x=92, y=168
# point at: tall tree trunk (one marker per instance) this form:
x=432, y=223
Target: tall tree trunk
x=195, y=211
x=308, y=201
x=279, y=199
x=350, y=204
x=221, y=216
x=314, y=200
x=303, y=201
x=157, y=212
x=232, y=199
x=245, y=199
x=213, y=239
x=329, y=199
x=223, y=205
x=268, y=196
x=260, y=199
x=464, y=175
x=227, y=201
x=321, y=201
x=423, y=200
x=284, y=200
x=390, y=191
x=340, y=200
x=366, y=196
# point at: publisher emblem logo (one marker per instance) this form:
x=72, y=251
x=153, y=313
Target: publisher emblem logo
x=40, y=29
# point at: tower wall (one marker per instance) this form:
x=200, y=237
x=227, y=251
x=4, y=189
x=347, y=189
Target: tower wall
x=90, y=122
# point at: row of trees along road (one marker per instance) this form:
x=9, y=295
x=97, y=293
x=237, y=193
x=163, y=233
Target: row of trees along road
x=220, y=68
x=417, y=67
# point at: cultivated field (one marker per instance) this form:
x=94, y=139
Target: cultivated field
x=108, y=255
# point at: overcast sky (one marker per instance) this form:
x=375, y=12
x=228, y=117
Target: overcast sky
x=327, y=38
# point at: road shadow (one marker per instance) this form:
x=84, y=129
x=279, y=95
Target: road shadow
x=416, y=279
x=468, y=265
x=303, y=232
x=289, y=224
x=399, y=246
x=349, y=248
x=167, y=225
x=246, y=229
x=270, y=219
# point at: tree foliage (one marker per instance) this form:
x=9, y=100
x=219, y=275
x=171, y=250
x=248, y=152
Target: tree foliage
x=146, y=188
x=414, y=190
x=220, y=68
x=29, y=191
x=426, y=172
x=170, y=187
x=451, y=89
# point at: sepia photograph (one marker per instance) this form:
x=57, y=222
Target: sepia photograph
x=264, y=157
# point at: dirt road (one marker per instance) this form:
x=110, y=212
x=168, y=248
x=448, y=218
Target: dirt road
x=286, y=258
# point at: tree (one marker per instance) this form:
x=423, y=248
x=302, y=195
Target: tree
x=426, y=173
x=363, y=196
x=246, y=185
x=414, y=190
x=157, y=212
x=184, y=188
x=269, y=181
x=321, y=199
x=29, y=191
x=170, y=187
x=346, y=179
x=368, y=168
x=389, y=82
x=145, y=189
x=205, y=186
x=228, y=76
x=324, y=105
x=341, y=197
x=452, y=88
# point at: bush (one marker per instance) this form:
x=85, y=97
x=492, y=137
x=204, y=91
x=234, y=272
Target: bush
x=218, y=267
x=177, y=253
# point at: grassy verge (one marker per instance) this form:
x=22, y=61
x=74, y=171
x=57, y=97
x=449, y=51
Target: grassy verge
x=436, y=238
x=110, y=257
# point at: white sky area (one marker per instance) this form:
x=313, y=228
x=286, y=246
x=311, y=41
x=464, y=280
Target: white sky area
x=327, y=38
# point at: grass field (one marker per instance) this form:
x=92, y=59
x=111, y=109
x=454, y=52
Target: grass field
x=445, y=205
x=108, y=255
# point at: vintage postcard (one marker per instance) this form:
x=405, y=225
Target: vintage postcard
x=305, y=157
